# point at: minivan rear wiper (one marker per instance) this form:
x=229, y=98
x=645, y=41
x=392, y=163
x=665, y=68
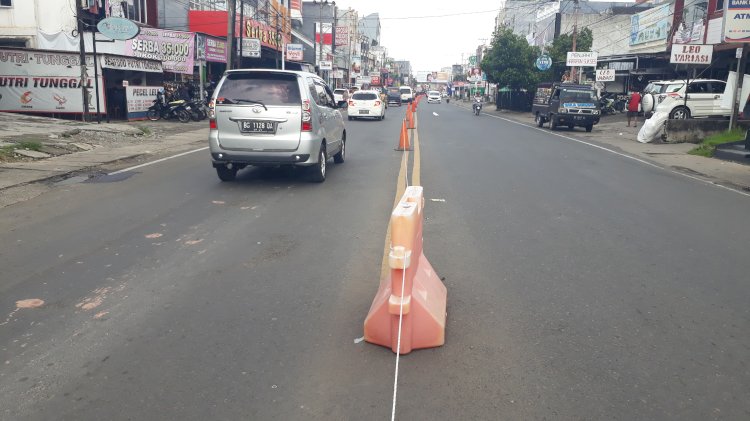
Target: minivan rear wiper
x=248, y=101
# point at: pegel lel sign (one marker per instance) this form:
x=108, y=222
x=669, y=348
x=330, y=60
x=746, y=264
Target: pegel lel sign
x=118, y=28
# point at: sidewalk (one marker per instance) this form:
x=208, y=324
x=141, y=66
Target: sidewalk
x=612, y=132
x=63, y=148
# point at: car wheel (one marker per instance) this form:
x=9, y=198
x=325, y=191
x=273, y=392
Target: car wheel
x=351, y=118
x=590, y=127
x=341, y=156
x=679, y=113
x=319, y=170
x=539, y=120
x=552, y=122
x=571, y=126
x=226, y=174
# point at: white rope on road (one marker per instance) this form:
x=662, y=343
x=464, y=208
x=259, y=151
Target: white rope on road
x=401, y=309
x=398, y=346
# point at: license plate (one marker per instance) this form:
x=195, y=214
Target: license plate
x=578, y=117
x=364, y=111
x=258, y=127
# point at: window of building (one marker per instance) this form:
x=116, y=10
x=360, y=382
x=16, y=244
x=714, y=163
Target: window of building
x=134, y=10
x=720, y=5
x=208, y=4
x=6, y=3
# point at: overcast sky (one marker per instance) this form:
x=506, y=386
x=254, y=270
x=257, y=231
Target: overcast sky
x=430, y=43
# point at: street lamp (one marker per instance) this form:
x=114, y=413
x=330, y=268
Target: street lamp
x=320, y=4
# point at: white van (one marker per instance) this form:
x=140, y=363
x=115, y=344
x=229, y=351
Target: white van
x=406, y=94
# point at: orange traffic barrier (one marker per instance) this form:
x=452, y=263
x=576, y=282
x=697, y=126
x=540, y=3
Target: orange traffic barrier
x=423, y=298
x=403, y=141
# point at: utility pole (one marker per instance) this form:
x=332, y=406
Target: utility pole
x=84, y=72
x=573, y=70
x=741, y=63
x=231, y=12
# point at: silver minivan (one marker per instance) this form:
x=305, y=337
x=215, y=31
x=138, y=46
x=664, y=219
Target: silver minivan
x=267, y=117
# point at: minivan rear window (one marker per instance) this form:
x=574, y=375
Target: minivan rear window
x=364, y=96
x=405, y=90
x=265, y=88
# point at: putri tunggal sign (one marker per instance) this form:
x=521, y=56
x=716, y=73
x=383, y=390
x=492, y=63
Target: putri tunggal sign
x=46, y=82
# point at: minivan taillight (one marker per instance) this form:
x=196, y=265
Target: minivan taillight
x=377, y=103
x=351, y=103
x=212, y=124
x=306, y=117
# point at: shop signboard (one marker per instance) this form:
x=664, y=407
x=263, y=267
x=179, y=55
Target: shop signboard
x=650, y=25
x=581, y=59
x=175, y=49
x=130, y=63
x=692, y=54
x=543, y=62
x=356, y=64
x=294, y=52
x=216, y=50
x=737, y=21
x=118, y=28
x=46, y=82
x=326, y=65
x=605, y=75
x=250, y=47
x=337, y=74
x=268, y=35
x=342, y=35
x=140, y=99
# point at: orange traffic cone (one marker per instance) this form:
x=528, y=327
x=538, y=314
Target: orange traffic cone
x=403, y=141
x=409, y=119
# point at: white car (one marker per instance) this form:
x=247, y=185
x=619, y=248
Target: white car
x=704, y=99
x=366, y=104
x=434, y=96
x=340, y=96
x=407, y=95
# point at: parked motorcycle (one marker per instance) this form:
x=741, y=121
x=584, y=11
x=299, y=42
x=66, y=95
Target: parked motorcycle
x=607, y=105
x=477, y=106
x=198, y=110
x=174, y=109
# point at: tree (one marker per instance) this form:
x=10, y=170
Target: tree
x=559, y=52
x=509, y=62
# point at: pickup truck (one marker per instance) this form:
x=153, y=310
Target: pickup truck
x=566, y=104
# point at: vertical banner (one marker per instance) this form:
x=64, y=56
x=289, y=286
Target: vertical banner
x=342, y=35
x=326, y=31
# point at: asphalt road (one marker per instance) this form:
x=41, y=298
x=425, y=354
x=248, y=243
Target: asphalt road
x=581, y=285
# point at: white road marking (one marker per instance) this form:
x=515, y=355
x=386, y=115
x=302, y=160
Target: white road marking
x=710, y=183
x=158, y=161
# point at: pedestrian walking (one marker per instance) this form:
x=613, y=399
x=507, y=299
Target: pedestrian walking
x=633, y=105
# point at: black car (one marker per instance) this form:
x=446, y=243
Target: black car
x=394, y=96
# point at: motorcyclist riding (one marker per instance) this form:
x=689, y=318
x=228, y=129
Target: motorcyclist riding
x=477, y=104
